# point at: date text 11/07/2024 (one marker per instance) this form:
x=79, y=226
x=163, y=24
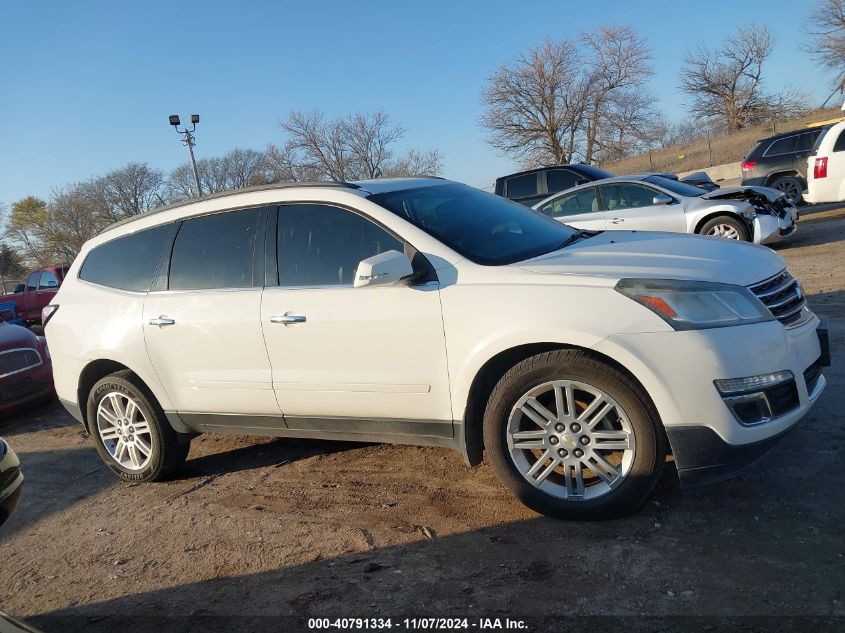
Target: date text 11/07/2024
x=412, y=624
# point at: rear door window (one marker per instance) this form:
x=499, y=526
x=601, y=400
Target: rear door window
x=562, y=179
x=575, y=203
x=215, y=251
x=521, y=186
x=782, y=146
x=126, y=263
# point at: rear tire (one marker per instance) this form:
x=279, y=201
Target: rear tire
x=130, y=431
x=725, y=226
x=545, y=475
x=791, y=187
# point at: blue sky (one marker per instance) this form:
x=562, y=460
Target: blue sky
x=87, y=86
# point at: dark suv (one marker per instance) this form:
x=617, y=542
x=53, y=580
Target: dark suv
x=780, y=161
x=529, y=187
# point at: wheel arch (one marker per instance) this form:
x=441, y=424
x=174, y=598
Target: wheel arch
x=726, y=212
x=791, y=173
x=495, y=367
x=96, y=370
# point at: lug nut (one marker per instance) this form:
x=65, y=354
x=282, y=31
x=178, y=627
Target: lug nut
x=585, y=440
x=562, y=452
x=575, y=427
x=553, y=440
x=559, y=427
x=578, y=452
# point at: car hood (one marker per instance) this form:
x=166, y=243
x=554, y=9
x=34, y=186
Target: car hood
x=743, y=193
x=14, y=336
x=619, y=254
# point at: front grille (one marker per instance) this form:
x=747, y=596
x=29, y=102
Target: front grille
x=783, y=296
x=17, y=360
x=811, y=375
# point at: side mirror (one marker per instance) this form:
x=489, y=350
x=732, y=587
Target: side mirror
x=383, y=269
x=662, y=198
x=19, y=288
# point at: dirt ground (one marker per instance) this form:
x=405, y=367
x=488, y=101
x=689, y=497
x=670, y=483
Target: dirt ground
x=253, y=528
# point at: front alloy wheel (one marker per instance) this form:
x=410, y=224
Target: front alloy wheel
x=571, y=440
x=573, y=437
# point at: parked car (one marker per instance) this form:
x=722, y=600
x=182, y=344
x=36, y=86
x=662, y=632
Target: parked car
x=26, y=371
x=532, y=186
x=423, y=311
x=40, y=288
x=11, y=481
x=701, y=180
x=826, y=167
x=780, y=162
x=654, y=203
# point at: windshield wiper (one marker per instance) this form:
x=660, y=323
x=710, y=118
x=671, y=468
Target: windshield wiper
x=577, y=236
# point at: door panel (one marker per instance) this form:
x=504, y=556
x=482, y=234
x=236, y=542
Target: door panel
x=344, y=352
x=360, y=352
x=203, y=333
x=630, y=208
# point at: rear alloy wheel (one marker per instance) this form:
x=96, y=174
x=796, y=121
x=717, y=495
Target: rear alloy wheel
x=791, y=187
x=727, y=227
x=573, y=437
x=130, y=431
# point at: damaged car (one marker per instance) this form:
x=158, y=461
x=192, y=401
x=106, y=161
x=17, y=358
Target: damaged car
x=650, y=202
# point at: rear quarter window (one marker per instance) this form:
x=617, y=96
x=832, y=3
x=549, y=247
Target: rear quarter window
x=782, y=146
x=126, y=263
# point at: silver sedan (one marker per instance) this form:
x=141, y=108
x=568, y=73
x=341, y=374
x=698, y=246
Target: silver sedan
x=655, y=203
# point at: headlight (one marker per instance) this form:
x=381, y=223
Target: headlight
x=695, y=305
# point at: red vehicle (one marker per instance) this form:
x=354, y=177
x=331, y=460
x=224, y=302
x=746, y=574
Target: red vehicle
x=26, y=371
x=38, y=291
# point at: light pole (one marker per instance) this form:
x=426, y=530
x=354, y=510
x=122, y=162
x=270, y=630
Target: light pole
x=188, y=139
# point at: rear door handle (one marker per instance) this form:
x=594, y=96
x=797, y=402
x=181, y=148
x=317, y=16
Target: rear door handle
x=287, y=319
x=616, y=220
x=162, y=321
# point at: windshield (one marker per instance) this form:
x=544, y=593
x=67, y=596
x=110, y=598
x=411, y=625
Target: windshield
x=680, y=188
x=484, y=228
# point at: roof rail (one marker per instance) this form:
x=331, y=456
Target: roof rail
x=231, y=192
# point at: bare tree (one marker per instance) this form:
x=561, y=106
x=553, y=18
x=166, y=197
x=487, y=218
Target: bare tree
x=629, y=126
x=11, y=266
x=130, y=190
x=349, y=148
x=536, y=103
x=619, y=63
x=726, y=84
x=416, y=163
x=370, y=137
x=236, y=169
x=827, y=46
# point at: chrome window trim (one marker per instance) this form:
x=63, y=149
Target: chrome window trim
x=23, y=369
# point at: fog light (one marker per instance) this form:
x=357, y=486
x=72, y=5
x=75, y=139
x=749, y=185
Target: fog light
x=758, y=399
x=738, y=386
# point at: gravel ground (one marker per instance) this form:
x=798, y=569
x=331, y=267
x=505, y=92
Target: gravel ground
x=252, y=528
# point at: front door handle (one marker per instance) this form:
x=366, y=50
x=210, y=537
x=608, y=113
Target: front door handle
x=616, y=220
x=162, y=321
x=287, y=319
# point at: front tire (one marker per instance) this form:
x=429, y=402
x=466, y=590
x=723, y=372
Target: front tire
x=572, y=437
x=725, y=226
x=130, y=431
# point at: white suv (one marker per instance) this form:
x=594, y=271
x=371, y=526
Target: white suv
x=423, y=311
x=826, y=167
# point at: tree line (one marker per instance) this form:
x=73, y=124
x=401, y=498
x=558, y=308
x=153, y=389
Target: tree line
x=577, y=99
x=586, y=98
x=362, y=145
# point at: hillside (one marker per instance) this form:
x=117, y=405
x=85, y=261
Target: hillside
x=725, y=149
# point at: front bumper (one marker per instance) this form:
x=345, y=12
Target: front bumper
x=769, y=229
x=11, y=481
x=678, y=370
x=18, y=390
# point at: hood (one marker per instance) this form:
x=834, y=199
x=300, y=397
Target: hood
x=618, y=254
x=740, y=193
x=14, y=336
